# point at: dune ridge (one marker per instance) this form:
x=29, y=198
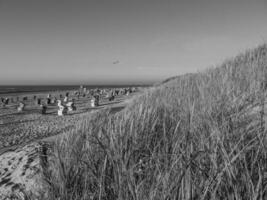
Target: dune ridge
x=197, y=136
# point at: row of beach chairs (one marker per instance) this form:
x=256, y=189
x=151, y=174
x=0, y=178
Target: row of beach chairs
x=62, y=109
x=68, y=105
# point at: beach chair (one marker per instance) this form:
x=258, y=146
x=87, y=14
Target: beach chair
x=2, y=102
x=61, y=109
x=21, y=107
x=53, y=100
x=6, y=101
x=93, y=104
x=84, y=90
x=111, y=97
x=95, y=101
x=43, y=109
x=70, y=106
x=66, y=99
x=48, y=101
x=97, y=97
x=38, y=102
x=117, y=92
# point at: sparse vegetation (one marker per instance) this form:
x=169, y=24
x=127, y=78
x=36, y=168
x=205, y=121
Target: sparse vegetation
x=199, y=136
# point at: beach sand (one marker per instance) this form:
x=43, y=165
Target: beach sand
x=29, y=125
x=21, y=136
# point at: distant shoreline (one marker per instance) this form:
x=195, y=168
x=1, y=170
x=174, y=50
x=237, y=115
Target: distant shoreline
x=16, y=90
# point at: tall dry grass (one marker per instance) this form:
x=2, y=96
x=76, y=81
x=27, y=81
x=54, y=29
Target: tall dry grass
x=199, y=136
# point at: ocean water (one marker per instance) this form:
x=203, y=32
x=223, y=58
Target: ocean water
x=35, y=88
x=50, y=88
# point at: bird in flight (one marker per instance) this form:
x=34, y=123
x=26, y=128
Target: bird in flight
x=115, y=62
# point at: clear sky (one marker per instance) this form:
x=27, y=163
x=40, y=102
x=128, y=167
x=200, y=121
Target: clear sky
x=113, y=41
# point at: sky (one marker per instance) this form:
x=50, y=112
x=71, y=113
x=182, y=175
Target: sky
x=122, y=41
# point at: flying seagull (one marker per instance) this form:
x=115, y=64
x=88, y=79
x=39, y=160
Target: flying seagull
x=115, y=62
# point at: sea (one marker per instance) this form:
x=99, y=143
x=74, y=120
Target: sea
x=51, y=88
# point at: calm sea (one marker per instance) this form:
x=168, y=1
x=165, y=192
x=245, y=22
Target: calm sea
x=44, y=88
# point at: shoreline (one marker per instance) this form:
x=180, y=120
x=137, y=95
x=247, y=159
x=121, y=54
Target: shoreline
x=57, y=88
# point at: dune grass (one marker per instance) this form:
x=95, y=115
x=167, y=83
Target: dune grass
x=198, y=136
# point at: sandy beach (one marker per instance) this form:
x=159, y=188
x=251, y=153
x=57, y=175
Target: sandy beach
x=22, y=133
x=29, y=125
